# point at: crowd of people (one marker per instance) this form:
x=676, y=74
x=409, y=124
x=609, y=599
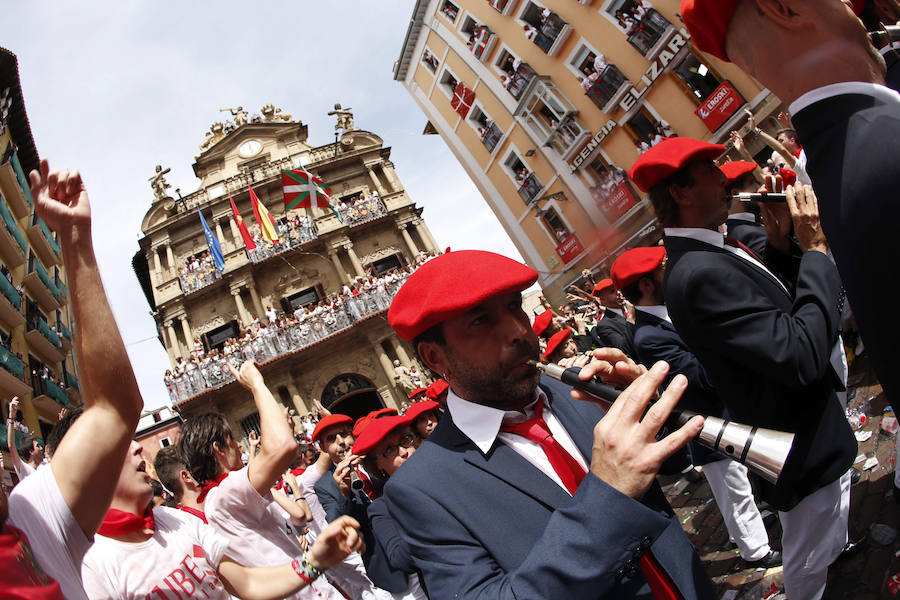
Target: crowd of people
x=362, y=208
x=198, y=271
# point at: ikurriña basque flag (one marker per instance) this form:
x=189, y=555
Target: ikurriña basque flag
x=302, y=189
x=214, y=248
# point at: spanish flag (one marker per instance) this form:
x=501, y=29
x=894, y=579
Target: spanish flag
x=249, y=244
x=265, y=220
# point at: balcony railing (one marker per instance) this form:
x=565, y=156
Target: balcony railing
x=45, y=278
x=71, y=380
x=649, y=31
x=64, y=331
x=608, y=83
x=47, y=234
x=277, y=342
x=530, y=188
x=367, y=210
x=519, y=80
x=12, y=227
x=39, y=324
x=22, y=179
x=56, y=392
x=10, y=292
x=549, y=31
x=191, y=281
x=491, y=136
x=12, y=363
x=290, y=239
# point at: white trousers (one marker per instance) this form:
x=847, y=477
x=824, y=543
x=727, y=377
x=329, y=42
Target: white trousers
x=731, y=488
x=815, y=532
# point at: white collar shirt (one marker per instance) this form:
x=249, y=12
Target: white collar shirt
x=881, y=92
x=744, y=216
x=657, y=310
x=481, y=424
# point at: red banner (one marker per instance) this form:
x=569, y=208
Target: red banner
x=721, y=104
x=613, y=201
x=569, y=248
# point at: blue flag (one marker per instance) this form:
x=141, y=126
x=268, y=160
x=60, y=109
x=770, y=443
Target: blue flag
x=214, y=248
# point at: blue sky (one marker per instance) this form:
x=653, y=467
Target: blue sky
x=115, y=88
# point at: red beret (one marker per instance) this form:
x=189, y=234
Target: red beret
x=707, y=22
x=788, y=176
x=558, y=338
x=452, y=283
x=376, y=431
x=417, y=391
x=420, y=407
x=602, y=285
x=736, y=169
x=383, y=412
x=668, y=157
x=542, y=322
x=361, y=423
x=633, y=264
x=329, y=421
x=437, y=388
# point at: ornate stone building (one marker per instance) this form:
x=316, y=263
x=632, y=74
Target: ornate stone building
x=347, y=364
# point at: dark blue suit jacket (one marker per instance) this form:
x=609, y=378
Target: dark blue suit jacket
x=852, y=142
x=767, y=353
x=656, y=339
x=494, y=526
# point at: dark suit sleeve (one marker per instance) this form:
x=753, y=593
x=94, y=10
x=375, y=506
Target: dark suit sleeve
x=730, y=313
x=389, y=538
x=597, y=533
x=607, y=334
x=334, y=503
x=652, y=346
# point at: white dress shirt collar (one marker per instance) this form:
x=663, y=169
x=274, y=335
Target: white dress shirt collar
x=658, y=310
x=744, y=216
x=709, y=236
x=883, y=93
x=481, y=423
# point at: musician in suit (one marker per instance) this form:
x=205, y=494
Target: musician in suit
x=489, y=512
x=767, y=351
x=638, y=274
x=848, y=121
x=743, y=217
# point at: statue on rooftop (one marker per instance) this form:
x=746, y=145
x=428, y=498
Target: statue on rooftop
x=344, y=118
x=159, y=184
x=240, y=116
x=216, y=132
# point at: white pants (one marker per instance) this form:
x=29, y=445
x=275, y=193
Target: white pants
x=815, y=532
x=734, y=496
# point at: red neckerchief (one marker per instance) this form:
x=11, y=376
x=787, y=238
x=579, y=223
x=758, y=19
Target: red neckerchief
x=118, y=522
x=197, y=513
x=210, y=484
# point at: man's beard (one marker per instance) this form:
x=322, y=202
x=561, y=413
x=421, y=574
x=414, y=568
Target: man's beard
x=497, y=390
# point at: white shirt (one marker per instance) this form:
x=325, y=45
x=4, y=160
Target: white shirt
x=744, y=216
x=23, y=469
x=881, y=92
x=657, y=310
x=481, y=424
x=180, y=560
x=37, y=507
x=714, y=238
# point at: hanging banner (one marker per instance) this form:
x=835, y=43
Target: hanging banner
x=613, y=200
x=718, y=108
x=569, y=248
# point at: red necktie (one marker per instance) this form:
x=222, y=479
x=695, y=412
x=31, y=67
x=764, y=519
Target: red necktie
x=571, y=472
x=735, y=243
x=368, y=488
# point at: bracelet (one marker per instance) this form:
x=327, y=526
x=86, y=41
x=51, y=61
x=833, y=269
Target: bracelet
x=308, y=564
x=301, y=572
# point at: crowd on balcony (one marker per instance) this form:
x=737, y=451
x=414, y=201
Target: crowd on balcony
x=629, y=18
x=363, y=207
x=198, y=271
x=592, y=70
x=280, y=333
x=292, y=232
x=662, y=131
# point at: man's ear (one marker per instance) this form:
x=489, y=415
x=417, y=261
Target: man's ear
x=434, y=357
x=679, y=195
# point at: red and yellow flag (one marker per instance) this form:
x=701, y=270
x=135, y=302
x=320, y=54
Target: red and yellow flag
x=265, y=220
x=249, y=244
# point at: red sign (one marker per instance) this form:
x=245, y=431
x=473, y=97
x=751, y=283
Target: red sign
x=569, y=248
x=721, y=104
x=613, y=201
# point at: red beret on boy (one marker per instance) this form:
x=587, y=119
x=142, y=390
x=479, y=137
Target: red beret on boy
x=437, y=388
x=452, y=283
x=668, y=157
x=602, y=285
x=542, y=322
x=376, y=431
x=417, y=392
x=558, y=338
x=633, y=264
x=420, y=407
x=736, y=169
x=329, y=421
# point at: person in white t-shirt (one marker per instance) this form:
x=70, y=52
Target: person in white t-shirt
x=142, y=552
x=35, y=455
x=238, y=499
x=54, y=513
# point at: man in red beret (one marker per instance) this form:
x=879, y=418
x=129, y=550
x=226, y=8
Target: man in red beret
x=612, y=329
x=833, y=79
x=766, y=350
x=487, y=510
x=638, y=273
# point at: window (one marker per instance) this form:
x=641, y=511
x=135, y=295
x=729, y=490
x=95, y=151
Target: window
x=430, y=60
x=305, y=297
x=479, y=39
x=250, y=423
x=646, y=130
x=697, y=76
x=448, y=82
x=555, y=224
x=165, y=442
x=487, y=130
x=544, y=27
x=450, y=10
x=552, y=118
x=387, y=264
x=529, y=185
x=502, y=6
x=602, y=86
x=285, y=397
x=640, y=22
x=215, y=338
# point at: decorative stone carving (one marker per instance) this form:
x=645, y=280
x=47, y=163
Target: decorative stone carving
x=344, y=118
x=270, y=113
x=216, y=321
x=216, y=133
x=159, y=184
x=239, y=114
x=379, y=254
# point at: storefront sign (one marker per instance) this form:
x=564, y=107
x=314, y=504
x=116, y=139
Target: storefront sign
x=569, y=248
x=592, y=145
x=615, y=202
x=678, y=41
x=721, y=104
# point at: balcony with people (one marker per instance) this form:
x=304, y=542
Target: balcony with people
x=48, y=393
x=40, y=286
x=41, y=337
x=292, y=233
x=546, y=29
x=13, y=246
x=10, y=300
x=642, y=25
x=12, y=370
x=43, y=241
x=602, y=80
x=14, y=186
x=516, y=74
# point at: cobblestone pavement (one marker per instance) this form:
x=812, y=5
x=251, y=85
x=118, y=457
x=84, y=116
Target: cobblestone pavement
x=862, y=575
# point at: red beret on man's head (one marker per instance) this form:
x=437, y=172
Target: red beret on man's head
x=417, y=392
x=420, y=407
x=329, y=421
x=558, y=338
x=707, y=22
x=668, y=157
x=602, y=285
x=635, y=263
x=542, y=322
x=736, y=169
x=451, y=284
x=437, y=388
x=376, y=431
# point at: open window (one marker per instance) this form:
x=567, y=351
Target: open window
x=697, y=77
x=448, y=82
x=555, y=224
x=646, y=130
x=544, y=27
x=479, y=39
x=552, y=119
x=488, y=131
x=515, y=74
x=449, y=10
x=309, y=296
x=216, y=338
x=528, y=183
x=430, y=60
x=642, y=24
x=502, y=6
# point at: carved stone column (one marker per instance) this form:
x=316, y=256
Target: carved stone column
x=338, y=267
x=297, y=399
x=426, y=236
x=170, y=257
x=219, y=235
x=188, y=336
x=354, y=259
x=388, y=169
x=172, y=348
x=385, y=361
x=381, y=191
x=401, y=352
x=243, y=315
x=409, y=242
x=235, y=233
x=257, y=303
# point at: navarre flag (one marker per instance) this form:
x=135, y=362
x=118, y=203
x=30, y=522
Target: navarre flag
x=265, y=220
x=302, y=189
x=462, y=99
x=214, y=248
x=249, y=244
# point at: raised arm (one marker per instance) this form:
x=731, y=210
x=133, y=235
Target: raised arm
x=277, y=447
x=11, y=433
x=86, y=465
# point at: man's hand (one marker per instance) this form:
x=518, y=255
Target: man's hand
x=738, y=141
x=579, y=360
x=249, y=376
x=626, y=454
x=805, y=213
x=61, y=200
x=612, y=366
x=13, y=407
x=336, y=541
x=785, y=119
x=342, y=473
x=751, y=120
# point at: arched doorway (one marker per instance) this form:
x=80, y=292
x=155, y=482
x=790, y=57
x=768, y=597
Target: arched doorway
x=351, y=394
